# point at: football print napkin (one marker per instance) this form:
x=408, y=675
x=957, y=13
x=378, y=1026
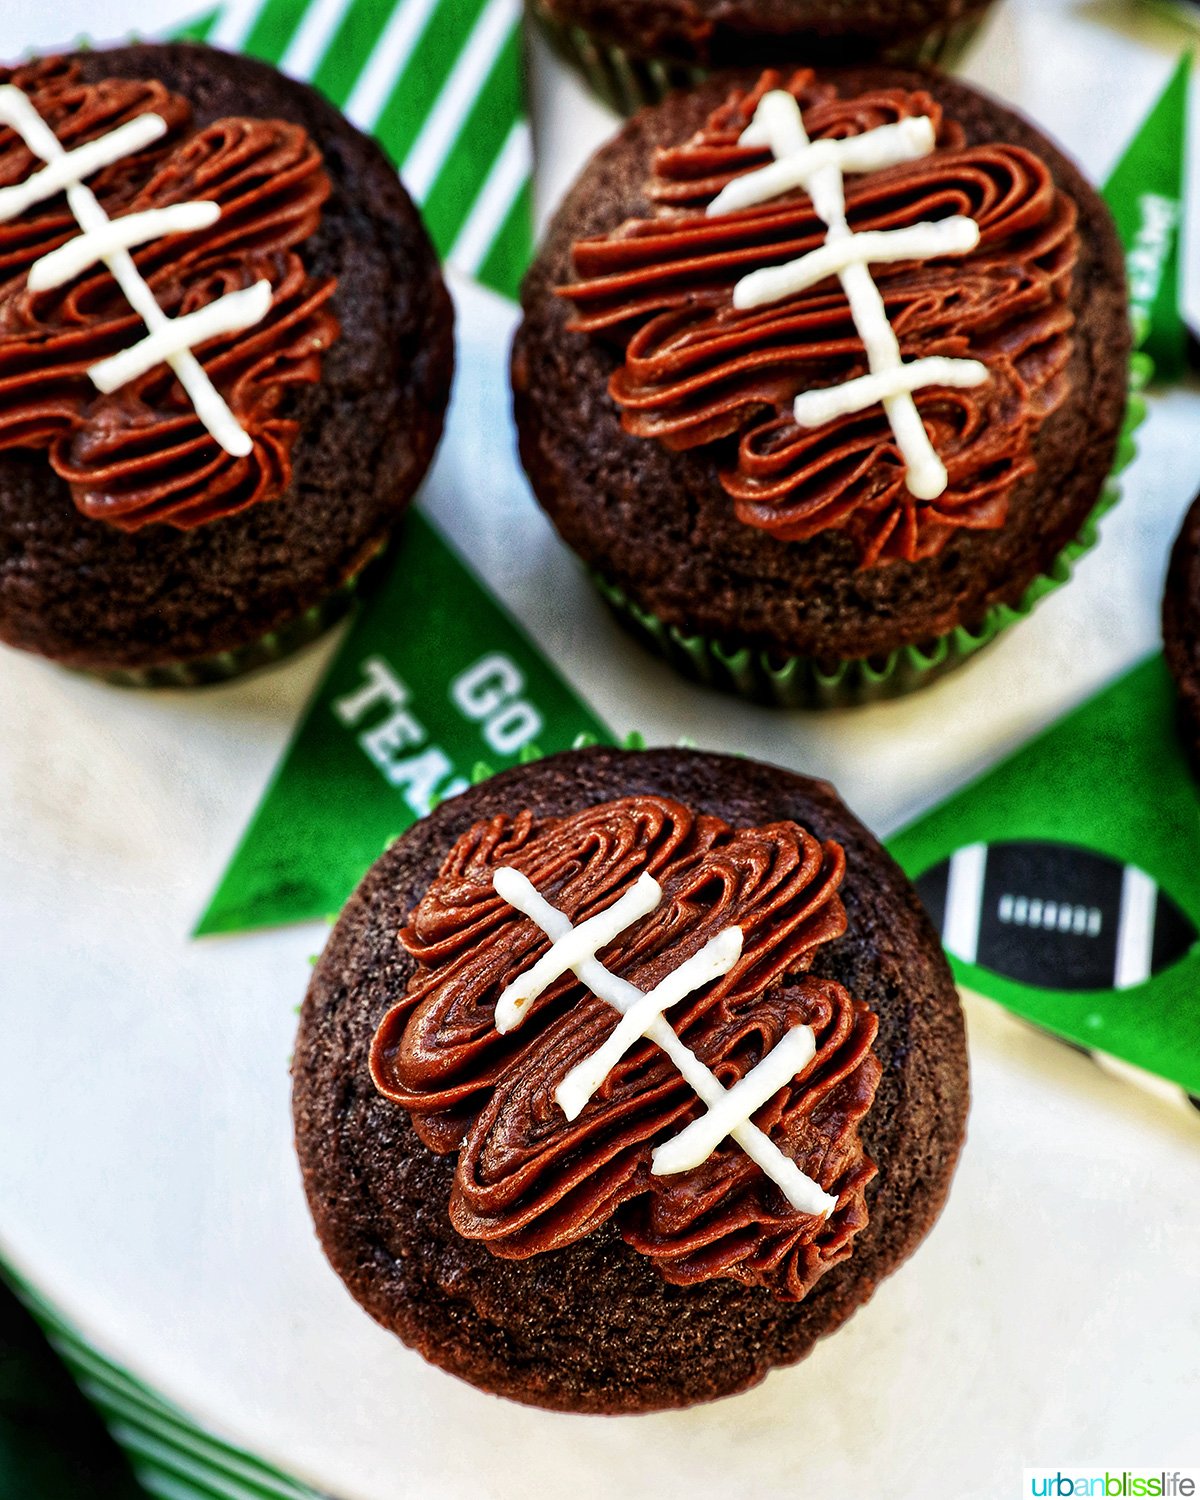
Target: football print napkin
x=1066, y=882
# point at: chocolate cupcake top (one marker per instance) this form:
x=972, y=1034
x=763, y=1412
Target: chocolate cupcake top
x=193, y=233
x=722, y=1140
x=656, y=520
x=862, y=315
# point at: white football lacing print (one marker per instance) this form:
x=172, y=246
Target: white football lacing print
x=818, y=167
x=729, y=1111
x=168, y=340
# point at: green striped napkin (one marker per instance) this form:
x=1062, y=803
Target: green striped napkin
x=439, y=84
x=52, y=1441
x=171, y=1458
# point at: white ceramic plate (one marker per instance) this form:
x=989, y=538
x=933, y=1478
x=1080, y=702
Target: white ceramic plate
x=147, y=1181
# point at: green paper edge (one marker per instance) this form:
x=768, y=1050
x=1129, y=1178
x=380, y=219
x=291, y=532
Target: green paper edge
x=1110, y=1021
x=1159, y=326
x=168, y=1452
x=230, y=910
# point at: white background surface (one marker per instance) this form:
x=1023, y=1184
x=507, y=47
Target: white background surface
x=147, y=1181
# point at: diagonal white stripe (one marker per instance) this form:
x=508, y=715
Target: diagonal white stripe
x=312, y=38
x=715, y=959
x=696, y=1142
x=461, y=89
x=63, y=168
x=164, y=1486
x=1135, y=931
x=171, y=1431
x=828, y=402
x=391, y=52
x=235, y=23
x=83, y=252
x=510, y=171
x=886, y=146
x=575, y=945
x=231, y=313
x=167, y=1459
x=954, y=236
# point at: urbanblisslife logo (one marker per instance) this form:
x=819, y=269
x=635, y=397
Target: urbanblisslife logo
x=1122, y=1484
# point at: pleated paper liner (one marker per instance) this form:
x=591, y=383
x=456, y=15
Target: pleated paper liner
x=223, y=666
x=626, y=81
x=802, y=682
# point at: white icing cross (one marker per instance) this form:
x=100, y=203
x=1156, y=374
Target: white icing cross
x=818, y=167
x=729, y=1111
x=169, y=340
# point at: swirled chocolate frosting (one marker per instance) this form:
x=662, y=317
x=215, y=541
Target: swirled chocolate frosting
x=142, y=454
x=696, y=372
x=528, y=1180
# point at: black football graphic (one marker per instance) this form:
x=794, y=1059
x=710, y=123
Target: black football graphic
x=1055, y=916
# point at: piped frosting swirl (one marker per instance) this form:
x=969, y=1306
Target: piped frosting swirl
x=527, y=1180
x=142, y=454
x=695, y=371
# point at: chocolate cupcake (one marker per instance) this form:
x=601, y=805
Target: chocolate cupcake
x=633, y=54
x=597, y=1214
x=820, y=446
x=1181, y=629
x=220, y=398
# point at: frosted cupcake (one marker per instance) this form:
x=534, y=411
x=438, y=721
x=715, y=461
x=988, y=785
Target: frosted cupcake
x=626, y=1077
x=824, y=376
x=225, y=350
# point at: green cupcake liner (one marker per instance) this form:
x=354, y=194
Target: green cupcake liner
x=222, y=666
x=802, y=682
x=626, y=81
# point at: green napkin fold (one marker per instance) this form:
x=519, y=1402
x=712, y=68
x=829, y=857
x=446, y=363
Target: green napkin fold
x=50, y=1448
x=439, y=85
